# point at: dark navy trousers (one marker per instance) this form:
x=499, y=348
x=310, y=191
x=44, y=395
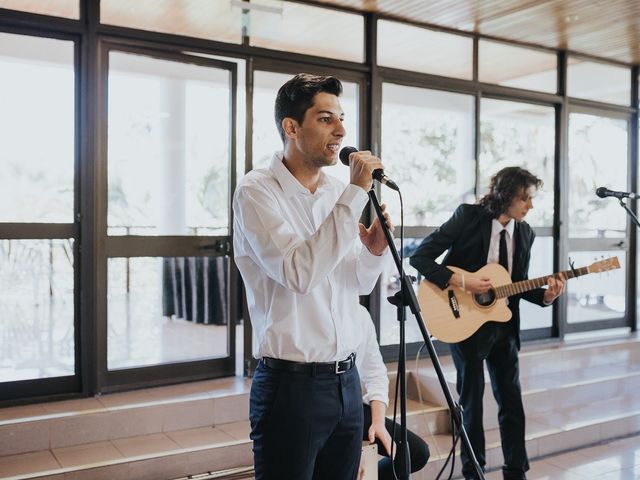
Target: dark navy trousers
x=304, y=426
x=494, y=343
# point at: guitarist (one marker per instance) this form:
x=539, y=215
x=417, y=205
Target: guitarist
x=493, y=230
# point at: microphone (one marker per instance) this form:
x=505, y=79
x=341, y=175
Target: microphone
x=378, y=174
x=603, y=192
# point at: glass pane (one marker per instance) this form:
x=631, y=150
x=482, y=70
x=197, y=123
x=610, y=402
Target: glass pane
x=427, y=149
x=597, y=296
x=389, y=286
x=423, y=50
x=597, y=157
x=169, y=147
x=294, y=27
x=164, y=310
x=193, y=18
x=598, y=81
x=266, y=139
x=517, y=67
x=524, y=135
x=541, y=264
x=36, y=309
x=37, y=119
x=57, y=8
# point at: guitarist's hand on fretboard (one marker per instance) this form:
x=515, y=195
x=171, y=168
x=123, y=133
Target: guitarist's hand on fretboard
x=555, y=288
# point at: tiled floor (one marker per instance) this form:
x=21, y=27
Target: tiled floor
x=617, y=460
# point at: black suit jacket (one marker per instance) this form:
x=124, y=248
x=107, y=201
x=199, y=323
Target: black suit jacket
x=467, y=236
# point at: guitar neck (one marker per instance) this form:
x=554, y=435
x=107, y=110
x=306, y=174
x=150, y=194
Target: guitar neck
x=504, y=291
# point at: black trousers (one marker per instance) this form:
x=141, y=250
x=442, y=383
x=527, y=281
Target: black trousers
x=494, y=343
x=418, y=448
x=305, y=427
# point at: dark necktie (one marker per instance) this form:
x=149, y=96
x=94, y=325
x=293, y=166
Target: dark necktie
x=503, y=257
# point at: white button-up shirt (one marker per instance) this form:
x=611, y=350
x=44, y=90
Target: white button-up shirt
x=303, y=264
x=494, y=244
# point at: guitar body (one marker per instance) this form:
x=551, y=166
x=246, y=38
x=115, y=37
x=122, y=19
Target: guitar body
x=452, y=315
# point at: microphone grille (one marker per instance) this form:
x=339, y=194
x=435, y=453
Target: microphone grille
x=344, y=154
x=601, y=192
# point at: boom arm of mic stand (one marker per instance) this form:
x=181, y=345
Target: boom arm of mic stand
x=407, y=297
x=630, y=212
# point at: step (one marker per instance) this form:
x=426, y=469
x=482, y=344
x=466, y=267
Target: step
x=559, y=389
x=110, y=417
x=558, y=357
x=537, y=447
x=591, y=394
x=157, y=456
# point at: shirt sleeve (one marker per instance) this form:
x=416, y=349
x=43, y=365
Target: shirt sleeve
x=297, y=264
x=373, y=372
x=369, y=268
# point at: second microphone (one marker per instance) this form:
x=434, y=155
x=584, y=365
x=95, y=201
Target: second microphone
x=377, y=174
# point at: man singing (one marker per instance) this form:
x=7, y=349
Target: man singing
x=305, y=259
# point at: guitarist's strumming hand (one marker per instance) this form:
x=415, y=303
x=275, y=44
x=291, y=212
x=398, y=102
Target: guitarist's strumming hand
x=471, y=282
x=555, y=288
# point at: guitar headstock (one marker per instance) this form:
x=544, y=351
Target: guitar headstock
x=604, y=265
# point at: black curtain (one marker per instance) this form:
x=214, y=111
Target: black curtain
x=195, y=289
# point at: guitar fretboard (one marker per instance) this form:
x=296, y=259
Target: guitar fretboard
x=510, y=289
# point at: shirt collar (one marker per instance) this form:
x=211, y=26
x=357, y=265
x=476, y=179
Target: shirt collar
x=496, y=227
x=290, y=184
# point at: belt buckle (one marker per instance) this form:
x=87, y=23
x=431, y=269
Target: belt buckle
x=347, y=361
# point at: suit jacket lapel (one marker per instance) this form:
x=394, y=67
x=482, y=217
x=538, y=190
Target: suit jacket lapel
x=486, y=237
x=517, y=252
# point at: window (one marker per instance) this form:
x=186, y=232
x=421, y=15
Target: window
x=56, y=8
x=37, y=97
x=37, y=309
x=423, y=50
x=598, y=296
x=517, y=67
x=37, y=160
x=196, y=18
x=597, y=157
x=295, y=27
x=168, y=125
x=165, y=310
x=170, y=163
x=523, y=135
x=427, y=149
x=598, y=81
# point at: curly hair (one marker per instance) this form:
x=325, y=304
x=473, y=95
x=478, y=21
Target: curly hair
x=504, y=186
x=296, y=96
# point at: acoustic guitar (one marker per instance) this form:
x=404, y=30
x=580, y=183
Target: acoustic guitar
x=453, y=315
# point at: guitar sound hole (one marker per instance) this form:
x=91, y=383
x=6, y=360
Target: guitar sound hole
x=485, y=299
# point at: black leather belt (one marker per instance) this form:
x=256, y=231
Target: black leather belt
x=316, y=368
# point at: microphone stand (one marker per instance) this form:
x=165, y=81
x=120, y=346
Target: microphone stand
x=407, y=297
x=630, y=212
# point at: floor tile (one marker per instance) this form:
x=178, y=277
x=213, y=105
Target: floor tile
x=197, y=437
x=145, y=445
x=28, y=463
x=86, y=454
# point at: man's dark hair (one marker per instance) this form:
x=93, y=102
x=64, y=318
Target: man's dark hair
x=296, y=96
x=504, y=186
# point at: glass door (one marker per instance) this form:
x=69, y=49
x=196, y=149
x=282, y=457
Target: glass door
x=597, y=228
x=171, y=301
x=39, y=347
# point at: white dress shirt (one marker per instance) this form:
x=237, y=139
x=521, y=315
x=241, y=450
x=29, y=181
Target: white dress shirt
x=302, y=263
x=494, y=244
